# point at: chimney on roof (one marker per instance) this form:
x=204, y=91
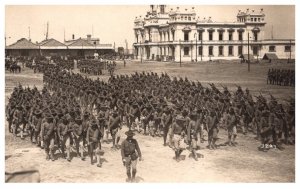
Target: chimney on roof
x=89, y=38
x=73, y=36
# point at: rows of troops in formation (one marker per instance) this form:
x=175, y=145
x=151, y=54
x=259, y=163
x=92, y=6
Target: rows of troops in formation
x=281, y=77
x=73, y=112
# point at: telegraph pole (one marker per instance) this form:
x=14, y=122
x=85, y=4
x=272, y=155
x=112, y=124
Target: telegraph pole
x=180, y=51
x=141, y=52
x=248, y=54
x=196, y=44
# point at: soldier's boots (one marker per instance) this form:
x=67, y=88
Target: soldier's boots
x=47, y=156
x=52, y=155
x=133, y=175
x=42, y=144
x=22, y=136
x=128, y=176
x=195, y=155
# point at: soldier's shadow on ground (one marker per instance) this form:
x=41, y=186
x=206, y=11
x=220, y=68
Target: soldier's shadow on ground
x=198, y=155
x=138, y=179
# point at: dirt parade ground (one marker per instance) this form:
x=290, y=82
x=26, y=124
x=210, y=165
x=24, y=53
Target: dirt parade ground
x=242, y=163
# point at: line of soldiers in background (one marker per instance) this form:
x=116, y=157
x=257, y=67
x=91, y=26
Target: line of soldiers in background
x=179, y=109
x=281, y=77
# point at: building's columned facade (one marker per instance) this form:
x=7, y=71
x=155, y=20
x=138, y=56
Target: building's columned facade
x=178, y=35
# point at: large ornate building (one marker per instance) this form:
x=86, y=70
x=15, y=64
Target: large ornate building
x=179, y=35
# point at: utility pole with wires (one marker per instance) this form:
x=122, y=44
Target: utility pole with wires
x=29, y=33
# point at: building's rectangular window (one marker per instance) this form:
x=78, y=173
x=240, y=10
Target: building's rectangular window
x=220, y=50
x=210, y=36
x=240, y=36
x=220, y=36
x=259, y=19
x=200, y=36
x=230, y=36
x=255, y=19
x=210, y=50
x=230, y=50
x=287, y=48
x=186, y=36
x=240, y=51
x=272, y=48
x=255, y=50
x=251, y=19
x=186, y=51
x=200, y=50
x=189, y=18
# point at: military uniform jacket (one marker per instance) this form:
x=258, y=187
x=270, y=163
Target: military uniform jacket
x=231, y=121
x=211, y=122
x=192, y=130
x=47, y=130
x=130, y=147
x=18, y=115
x=176, y=129
x=77, y=129
x=63, y=130
x=37, y=122
x=93, y=135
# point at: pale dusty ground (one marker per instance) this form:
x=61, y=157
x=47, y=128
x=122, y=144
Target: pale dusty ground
x=227, y=164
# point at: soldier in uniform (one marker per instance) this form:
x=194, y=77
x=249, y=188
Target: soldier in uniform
x=36, y=122
x=93, y=137
x=177, y=131
x=265, y=132
x=211, y=122
x=47, y=134
x=10, y=112
x=77, y=133
x=17, y=119
x=64, y=136
x=114, y=126
x=130, y=152
x=192, y=131
x=231, y=127
x=166, y=122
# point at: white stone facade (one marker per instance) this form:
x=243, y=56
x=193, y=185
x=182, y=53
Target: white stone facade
x=178, y=35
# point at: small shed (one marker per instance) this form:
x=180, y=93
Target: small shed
x=270, y=57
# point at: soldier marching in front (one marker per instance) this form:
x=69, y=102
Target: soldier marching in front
x=130, y=152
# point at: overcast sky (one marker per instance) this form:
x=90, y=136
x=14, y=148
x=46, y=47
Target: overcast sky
x=115, y=23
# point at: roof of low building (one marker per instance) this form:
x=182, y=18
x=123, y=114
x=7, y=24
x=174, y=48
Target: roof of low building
x=23, y=43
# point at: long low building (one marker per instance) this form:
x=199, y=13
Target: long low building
x=51, y=47
x=179, y=36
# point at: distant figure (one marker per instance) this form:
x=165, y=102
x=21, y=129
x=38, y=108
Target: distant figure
x=124, y=63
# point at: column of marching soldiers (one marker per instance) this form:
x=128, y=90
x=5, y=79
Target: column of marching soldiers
x=281, y=77
x=72, y=112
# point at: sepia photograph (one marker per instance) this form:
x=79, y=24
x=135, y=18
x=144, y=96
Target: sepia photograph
x=149, y=93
